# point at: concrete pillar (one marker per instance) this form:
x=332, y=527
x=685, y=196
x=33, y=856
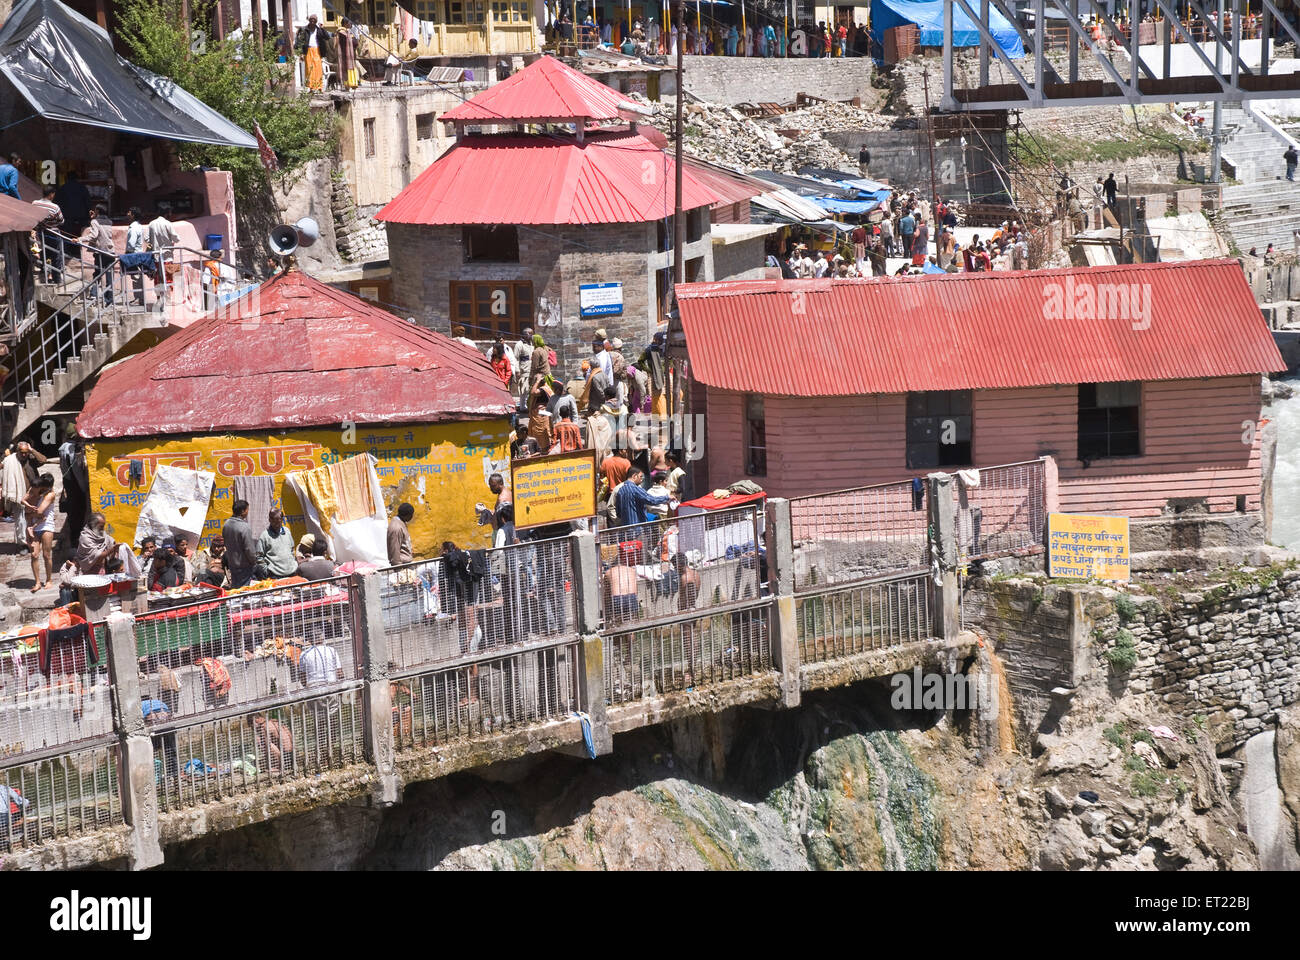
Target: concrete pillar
x=945, y=600
x=1051, y=485
x=585, y=559
x=381, y=747
x=784, y=623
x=135, y=768
x=591, y=691
x=586, y=581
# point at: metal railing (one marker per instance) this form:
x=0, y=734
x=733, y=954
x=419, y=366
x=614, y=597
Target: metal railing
x=854, y=535
x=523, y=593
x=843, y=621
x=244, y=648
x=683, y=654
x=246, y=751
x=65, y=704
x=1005, y=514
x=65, y=795
x=669, y=567
x=486, y=695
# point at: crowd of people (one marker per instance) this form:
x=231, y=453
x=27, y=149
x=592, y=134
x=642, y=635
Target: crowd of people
x=707, y=37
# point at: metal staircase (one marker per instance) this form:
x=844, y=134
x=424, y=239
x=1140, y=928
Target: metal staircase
x=73, y=332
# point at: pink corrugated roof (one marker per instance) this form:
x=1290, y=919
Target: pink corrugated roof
x=305, y=354
x=612, y=177
x=974, y=331
x=544, y=90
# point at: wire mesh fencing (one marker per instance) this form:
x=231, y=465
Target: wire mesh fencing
x=857, y=619
x=246, y=647
x=201, y=762
x=443, y=609
x=669, y=567
x=854, y=535
x=658, y=659
x=57, y=697
x=1004, y=513
x=61, y=796
x=490, y=696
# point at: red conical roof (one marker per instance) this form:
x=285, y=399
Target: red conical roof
x=545, y=90
x=295, y=352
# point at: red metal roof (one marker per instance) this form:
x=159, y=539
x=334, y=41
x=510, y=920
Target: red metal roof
x=815, y=338
x=17, y=215
x=731, y=186
x=544, y=90
x=299, y=353
x=612, y=177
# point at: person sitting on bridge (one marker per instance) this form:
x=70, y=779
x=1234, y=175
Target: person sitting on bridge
x=274, y=744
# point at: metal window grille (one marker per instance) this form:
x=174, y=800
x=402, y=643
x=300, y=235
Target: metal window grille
x=669, y=567
x=246, y=751
x=266, y=642
x=686, y=654
x=68, y=703
x=872, y=616
x=67, y=795
x=1005, y=514
x=854, y=535
x=521, y=593
x=488, y=696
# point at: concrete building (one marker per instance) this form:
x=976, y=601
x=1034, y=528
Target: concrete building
x=565, y=231
x=1143, y=382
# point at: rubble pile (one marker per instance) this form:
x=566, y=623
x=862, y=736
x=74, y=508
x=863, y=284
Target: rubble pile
x=725, y=135
x=830, y=115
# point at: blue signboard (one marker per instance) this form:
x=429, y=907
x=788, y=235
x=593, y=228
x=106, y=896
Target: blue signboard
x=600, y=299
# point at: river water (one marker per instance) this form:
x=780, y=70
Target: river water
x=1286, y=471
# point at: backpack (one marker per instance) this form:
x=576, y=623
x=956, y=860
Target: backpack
x=552, y=359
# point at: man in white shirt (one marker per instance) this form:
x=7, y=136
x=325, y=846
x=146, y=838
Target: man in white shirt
x=320, y=667
x=52, y=243
x=819, y=268
x=136, y=236
x=162, y=237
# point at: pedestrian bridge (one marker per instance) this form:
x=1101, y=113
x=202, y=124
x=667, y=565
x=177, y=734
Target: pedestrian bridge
x=346, y=690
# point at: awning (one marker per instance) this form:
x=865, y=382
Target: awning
x=65, y=69
x=16, y=216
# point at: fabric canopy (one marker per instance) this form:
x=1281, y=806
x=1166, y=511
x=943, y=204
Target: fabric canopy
x=64, y=67
x=928, y=16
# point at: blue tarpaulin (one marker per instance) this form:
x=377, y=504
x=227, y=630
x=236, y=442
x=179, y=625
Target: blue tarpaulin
x=928, y=15
x=838, y=205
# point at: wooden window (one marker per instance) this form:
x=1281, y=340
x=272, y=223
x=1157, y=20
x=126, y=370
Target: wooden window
x=939, y=424
x=498, y=243
x=430, y=10
x=368, y=135
x=755, y=436
x=488, y=309
x=424, y=126
x=1109, y=419
x=456, y=11
x=518, y=12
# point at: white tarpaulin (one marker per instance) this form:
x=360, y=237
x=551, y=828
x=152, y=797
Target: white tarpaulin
x=365, y=539
x=177, y=504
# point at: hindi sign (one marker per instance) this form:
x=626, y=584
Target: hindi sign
x=554, y=489
x=600, y=299
x=1081, y=546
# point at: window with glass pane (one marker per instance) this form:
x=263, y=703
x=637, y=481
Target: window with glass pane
x=755, y=437
x=488, y=309
x=939, y=427
x=1109, y=420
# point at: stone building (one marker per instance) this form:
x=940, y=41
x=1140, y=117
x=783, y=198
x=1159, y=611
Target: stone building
x=567, y=229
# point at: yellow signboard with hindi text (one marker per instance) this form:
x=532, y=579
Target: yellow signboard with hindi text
x=1085, y=547
x=554, y=489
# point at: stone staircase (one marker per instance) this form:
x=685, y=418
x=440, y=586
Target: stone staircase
x=1264, y=207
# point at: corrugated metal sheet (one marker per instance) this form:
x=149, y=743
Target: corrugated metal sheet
x=544, y=90
x=731, y=186
x=311, y=355
x=16, y=215
x=613, y=177
x=971, y=331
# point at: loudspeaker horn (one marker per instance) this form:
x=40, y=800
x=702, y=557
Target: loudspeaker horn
x=284, y=240
x=308, y=231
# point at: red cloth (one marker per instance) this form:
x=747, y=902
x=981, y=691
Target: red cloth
x=709, y=502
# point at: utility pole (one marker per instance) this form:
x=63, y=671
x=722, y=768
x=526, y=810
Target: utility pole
x=679, y=224
x=929, y=136
x=1216, y=135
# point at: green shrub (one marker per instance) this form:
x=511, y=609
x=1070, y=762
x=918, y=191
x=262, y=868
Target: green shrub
x=1125, y=608
x=1117, y=734
x=1122, y=656
x=1145, y=783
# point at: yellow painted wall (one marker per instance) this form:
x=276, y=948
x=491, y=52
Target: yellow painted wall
x=451, y=460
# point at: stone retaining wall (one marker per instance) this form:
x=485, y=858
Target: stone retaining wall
x=732, y=80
